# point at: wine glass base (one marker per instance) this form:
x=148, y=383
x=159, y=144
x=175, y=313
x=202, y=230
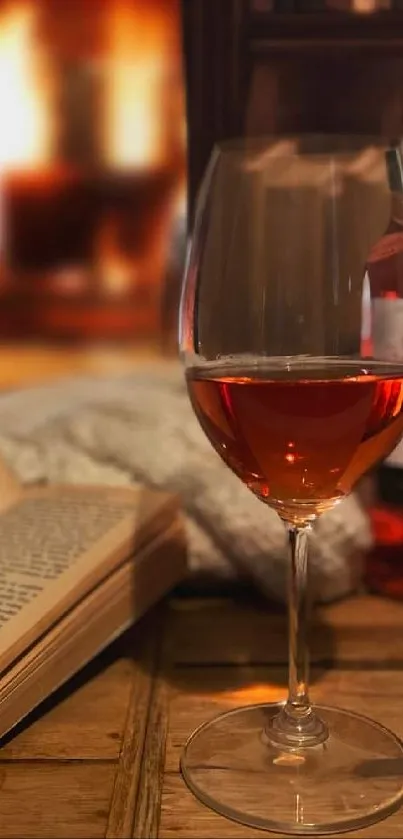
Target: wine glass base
x=353, y=779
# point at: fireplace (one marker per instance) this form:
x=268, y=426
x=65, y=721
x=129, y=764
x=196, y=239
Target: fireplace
x=92, y=171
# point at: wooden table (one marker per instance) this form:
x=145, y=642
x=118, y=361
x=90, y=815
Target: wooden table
x=101, y=758
x=31, y=364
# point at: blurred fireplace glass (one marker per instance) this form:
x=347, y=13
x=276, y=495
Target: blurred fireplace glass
x=92, y=165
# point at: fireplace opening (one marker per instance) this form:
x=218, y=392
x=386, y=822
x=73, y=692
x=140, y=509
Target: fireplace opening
x=92, y=164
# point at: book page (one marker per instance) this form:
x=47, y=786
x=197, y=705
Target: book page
x=57, y=544
x=10, y=487
x=42, y=537
x=92, y=624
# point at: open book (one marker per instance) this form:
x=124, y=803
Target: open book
x=78, y=565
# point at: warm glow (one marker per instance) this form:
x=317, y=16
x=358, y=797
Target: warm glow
x=110, y=76
x=116, y=273
x=255, y=693
x=139, y=57
x=365, y=6
x=25, y=134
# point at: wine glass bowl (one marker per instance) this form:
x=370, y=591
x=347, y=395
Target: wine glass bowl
x=351, y=416
x=280, y=379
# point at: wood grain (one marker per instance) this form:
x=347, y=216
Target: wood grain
x=183, y=817
x=200, y=694
x=84, y=721
x=89, y=741
x=225, y=655
x=224, y=631
x=102, y=757
x=54, y=800
x=125, y=791
x=147, y=816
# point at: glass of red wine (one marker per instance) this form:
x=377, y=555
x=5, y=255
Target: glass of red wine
x=293, y=398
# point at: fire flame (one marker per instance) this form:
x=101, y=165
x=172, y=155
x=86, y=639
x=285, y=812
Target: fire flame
x=135, y=85
x=117, y=272
x=138, y=46
x=25, y=135
x=139, y=118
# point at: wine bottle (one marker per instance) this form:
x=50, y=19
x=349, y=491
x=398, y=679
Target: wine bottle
x=385, y=275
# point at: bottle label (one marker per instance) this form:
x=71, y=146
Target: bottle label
x=387, y=328
x=387, y=336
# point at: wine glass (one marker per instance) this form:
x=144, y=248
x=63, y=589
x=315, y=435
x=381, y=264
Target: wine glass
x=271, y=334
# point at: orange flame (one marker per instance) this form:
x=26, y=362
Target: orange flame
x=25, y=134
x=135, y=85
x=117, y=272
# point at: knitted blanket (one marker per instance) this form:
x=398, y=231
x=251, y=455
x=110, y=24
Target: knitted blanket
x=140, y=428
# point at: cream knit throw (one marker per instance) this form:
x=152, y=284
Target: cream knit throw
x=141, y=428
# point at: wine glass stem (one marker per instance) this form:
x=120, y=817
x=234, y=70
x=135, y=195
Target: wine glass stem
x=297, y=725
x=298, y=661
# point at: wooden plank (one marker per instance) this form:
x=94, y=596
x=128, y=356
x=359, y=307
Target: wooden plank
x=199, y=693
x=184, y=817
x=220, y=630
x=147, y=817
x=49, y=800
x=148, y=804
x=125, y=788
x=125, y=791
x=23, y=364
x=146, y=703
x=84, y=720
